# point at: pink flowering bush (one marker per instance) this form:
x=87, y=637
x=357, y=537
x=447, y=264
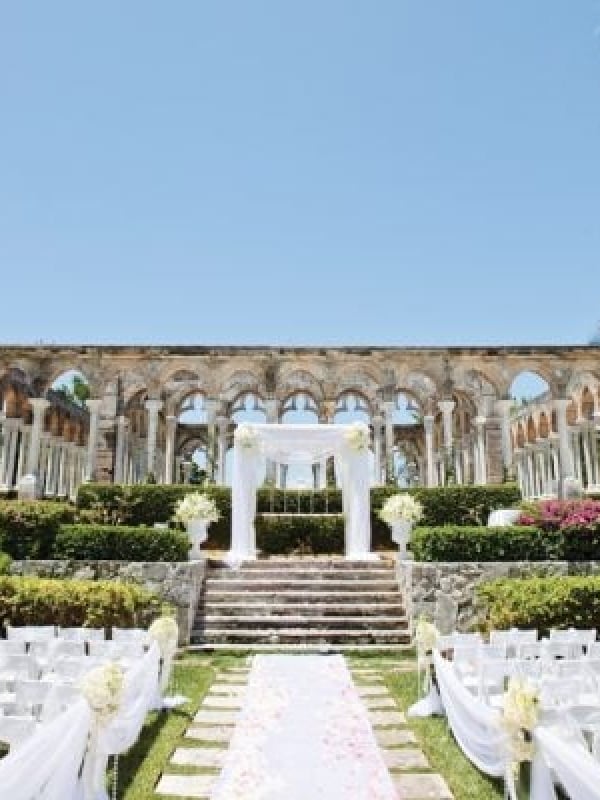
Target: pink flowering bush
x=554, y=515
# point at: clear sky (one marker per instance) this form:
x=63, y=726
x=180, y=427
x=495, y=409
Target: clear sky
x=323, y=171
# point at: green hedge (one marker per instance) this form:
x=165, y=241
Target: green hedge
x=146, y=504
x=290, y=534
x=541, y=603
x=516, y=543
x=95, y=604
x=120, y=543
x=29, y=529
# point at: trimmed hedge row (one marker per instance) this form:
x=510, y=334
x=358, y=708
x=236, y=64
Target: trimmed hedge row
x=540, y=603
x=120, y=543
x=516, y=543
x=29, y=529
x=289, y=534
x=95, y=604
x=146, y=504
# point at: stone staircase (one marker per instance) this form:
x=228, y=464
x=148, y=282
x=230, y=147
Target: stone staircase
x=302, y=604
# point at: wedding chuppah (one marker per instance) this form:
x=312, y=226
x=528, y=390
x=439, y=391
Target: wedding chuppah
x=254, y=445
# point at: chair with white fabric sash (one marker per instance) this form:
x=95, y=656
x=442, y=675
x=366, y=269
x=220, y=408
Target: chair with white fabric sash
x=493, y=677
x=30, y=696
x=15, y=647
x=14, y=666
x=512, y=639
x=69, y=669
x=137, y=635
x=562, y=692
x=111, y=650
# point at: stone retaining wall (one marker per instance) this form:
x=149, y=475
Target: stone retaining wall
x=445, y=591
x=179, y=583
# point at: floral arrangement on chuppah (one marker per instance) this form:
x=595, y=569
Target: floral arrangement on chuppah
x=196, y=505
x=357, y=437
x=247, y=437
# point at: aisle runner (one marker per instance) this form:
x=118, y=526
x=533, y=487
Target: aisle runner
x=303, y=732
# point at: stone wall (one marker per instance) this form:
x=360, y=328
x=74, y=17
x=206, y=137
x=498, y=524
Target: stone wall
x=180, y=584
x=445, y=591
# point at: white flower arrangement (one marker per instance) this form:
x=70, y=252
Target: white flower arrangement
x=102, y=687
x=401, y=507
x=196, y=506
x=356, y=436
x=426, y=635
x=247, y=437
x=520, y=716
x=165, y=632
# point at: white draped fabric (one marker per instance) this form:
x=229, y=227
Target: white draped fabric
x=303, y=733
x=300, y=444
x=475, y=726
x=566, y=760
x=47, y=765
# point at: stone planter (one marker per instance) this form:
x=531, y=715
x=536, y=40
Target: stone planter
x=400, y=532
x=196, y=529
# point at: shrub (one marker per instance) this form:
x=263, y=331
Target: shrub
x=541, y=603
x=291, y=534
x=44, y=601
x=5, y=562
x=120, y=543
x=28, y=529
x=552, y=515
x=472, y=543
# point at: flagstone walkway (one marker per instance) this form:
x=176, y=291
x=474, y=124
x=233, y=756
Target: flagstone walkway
x=194, y=767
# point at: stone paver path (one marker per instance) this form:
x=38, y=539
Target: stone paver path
x=207, y=738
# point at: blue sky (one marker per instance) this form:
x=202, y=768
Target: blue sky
x=330, y=171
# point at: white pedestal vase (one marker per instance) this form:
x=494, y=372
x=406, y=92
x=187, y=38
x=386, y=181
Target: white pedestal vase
x=400, y=532
x=196, y=529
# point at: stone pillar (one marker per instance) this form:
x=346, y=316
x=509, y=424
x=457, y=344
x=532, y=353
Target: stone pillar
x=93, y=406
x=389, y=407
x=567, y=470
x=23, y=451
x=119, y=474
x=428, y=422
x=481, y=477
x=170, y=447
x=272, y=415
x=10, y=428
x=447, y=407
x=39, y=406
x=152, y=407
x=503, y=407
x=222, y=427
x=212, y=406
x=378, y=448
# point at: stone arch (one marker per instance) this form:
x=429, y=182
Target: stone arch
x=299, y=380
x=247, y=406
x=419, y=385
x=536, y=381
x=355, y=403
x=238, y=382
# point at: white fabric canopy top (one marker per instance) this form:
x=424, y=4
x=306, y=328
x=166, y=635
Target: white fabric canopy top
x=254, y=444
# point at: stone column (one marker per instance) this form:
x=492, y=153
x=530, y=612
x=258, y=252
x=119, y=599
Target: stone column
x=23, y=451
x=222, y=427
x=503, y=407
x=212, y=406
x=119, y=474
x=567, y=471
x=481, y=477
x=272, y=414
x=447, y=407
x=10, y=429
x=170, y=447
x=388, y=408
x=39, y=406
x=93, y=406
x=152, y=407
x=428, y=422
x=378, y=448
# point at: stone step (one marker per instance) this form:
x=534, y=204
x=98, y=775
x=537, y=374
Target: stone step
x=301, y=647
x=310, y=562
x=301, y=635
x=301, y=574
x=229, y=584
x=306, y=609
x=214, y=622
x=241, y=597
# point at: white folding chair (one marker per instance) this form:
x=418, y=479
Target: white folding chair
x=14, y=730
x=14, y=666
x=68, y=669
x=30, y=633
x=81, y=634
x=512, y=639
x=15, y=647
x=30, y=696
x=130, y=635
x=493, y=675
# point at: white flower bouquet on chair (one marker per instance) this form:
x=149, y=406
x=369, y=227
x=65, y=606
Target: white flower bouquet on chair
x=196, y=511
x=401, y=511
